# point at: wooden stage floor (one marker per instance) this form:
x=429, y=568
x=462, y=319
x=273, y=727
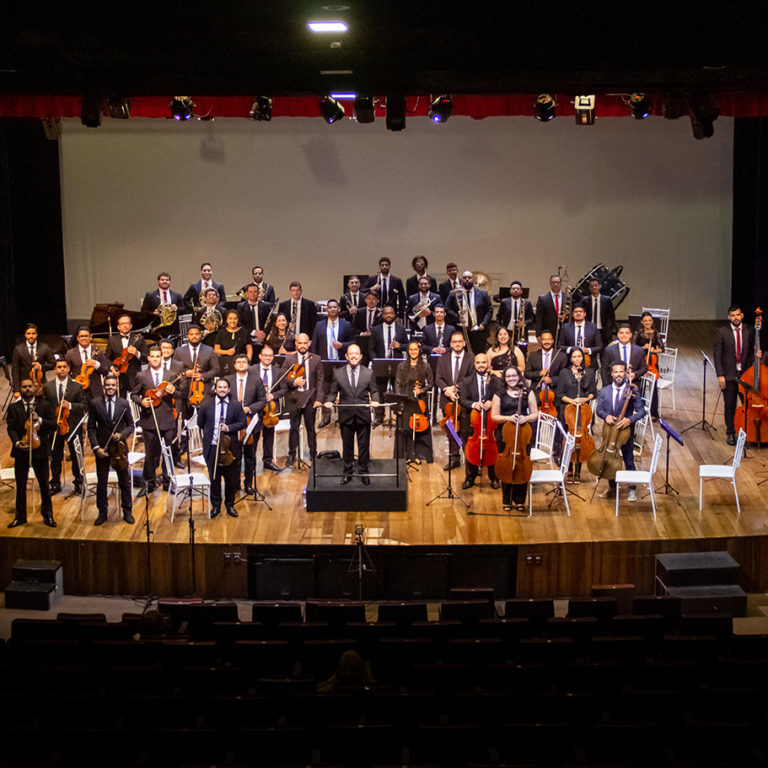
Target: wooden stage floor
x=448, y=523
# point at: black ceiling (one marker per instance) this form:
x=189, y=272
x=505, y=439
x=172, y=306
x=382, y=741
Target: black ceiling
x=219, y=47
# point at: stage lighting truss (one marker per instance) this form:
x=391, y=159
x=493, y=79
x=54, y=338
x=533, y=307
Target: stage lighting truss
x=261, y=109
x=181, y=108
x=544, y=108
x=440, y=109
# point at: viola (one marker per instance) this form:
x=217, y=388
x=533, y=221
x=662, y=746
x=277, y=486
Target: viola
x=62, y=419
x=271, y=417
x=452, y=411
x=36, y=375
x=756, y=403
x=84, y=377
x=225, y=456
x=196, y=390
x=514, y=464
x=32, y=430
x=546, y=393
x=118, y=454
x=418, y=422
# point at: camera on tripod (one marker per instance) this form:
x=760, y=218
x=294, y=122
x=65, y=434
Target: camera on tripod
x=359, y=533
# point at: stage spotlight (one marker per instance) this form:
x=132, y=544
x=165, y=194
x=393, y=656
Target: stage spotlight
x=90, y=111
x=585, y=110
x=640, y=106
x=364, y=109
x=544, y=108
x=331, y=110
x=181, y=107
x=395, y=113
x=119, y=108
x=440, y=109
x=704, y=112
x=261, y=109
x=674, y=106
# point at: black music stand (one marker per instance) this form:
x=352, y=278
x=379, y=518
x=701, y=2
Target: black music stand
x=256, y=495
x=703, y=423
x=667, y=488
x=404, y=407
x=451, y=434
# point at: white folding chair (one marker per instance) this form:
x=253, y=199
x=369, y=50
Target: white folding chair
x=647, y=385
x=137, y=430
x=640, y=477
x=195, y=446
x=546, y=429
x=184, y=484
x=90, y=479
x=667, y=366
x=554, y=476
x=662, y=315
x=724, y=471
x=638, y=436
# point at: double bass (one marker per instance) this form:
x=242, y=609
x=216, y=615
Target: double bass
x=513, y=465
x=753, y=414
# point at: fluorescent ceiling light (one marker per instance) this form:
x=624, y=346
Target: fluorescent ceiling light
x=343, y=95
x=327, y=26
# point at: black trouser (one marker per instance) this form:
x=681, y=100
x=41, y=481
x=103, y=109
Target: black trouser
x=229, y=474
x=362, y=430
x=124, y=480
x=153, y=453
x=472, y=471
x=308, y=413
x=513, y=493
x=267, y=436
x=57, y=456
x=730, y=400
x=21, y=472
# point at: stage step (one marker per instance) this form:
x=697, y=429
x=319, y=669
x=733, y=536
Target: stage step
x=729, y=599
x=35, y=585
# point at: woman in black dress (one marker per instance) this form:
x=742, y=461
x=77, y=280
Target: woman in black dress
x=646, y=336
x=502, y=355
x=281, y=337
x=232, y=339
x=504, y=408
x=576, y=384
x=414, y=378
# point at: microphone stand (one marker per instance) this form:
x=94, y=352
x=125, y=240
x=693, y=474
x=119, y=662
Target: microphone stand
x=193, y=569
x=703, y=423
x=150, y=597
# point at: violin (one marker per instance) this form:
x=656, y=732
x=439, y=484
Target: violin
x=514, y=465
x=36, y=375
x=578, y=419
x=84, y=377
x=481, y=449
x=225, y=456
x=32, y=430
x=652, y=361
x=296, y=371
x=418, y=422
x=156, y=394
x=196, y=389
x=607, y=461
x=547, y=394
x=118, y=454
x=62, y=419
x=122, y=361
x=271, y=417
x=756, y=394
x=452, y=411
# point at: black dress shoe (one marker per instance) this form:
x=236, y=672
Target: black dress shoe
x=290, y=461
x=232, y=512
x=453, y=464
x=495, y=483
x=249, y=490
x=78, y=489
x=271, y=465
x=179, y=465
x=730, y=438
x=215, y=510
x=467, y=484
x=54, y=488
x=346, y=479
x=100, y=520
x=49, y=521
x=128, y=517
x=16, y=522
x=145, y=490
x=365, y=479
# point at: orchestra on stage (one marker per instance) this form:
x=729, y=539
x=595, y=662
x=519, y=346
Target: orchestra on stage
x=473, y=373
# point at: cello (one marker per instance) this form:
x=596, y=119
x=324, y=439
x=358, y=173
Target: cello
x=513, y=466
x=753, y=412
x=481, y=449
x=578, y=419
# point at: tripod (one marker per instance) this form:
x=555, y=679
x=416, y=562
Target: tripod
x=361, y=563
x=703, y=423
x=447, y=493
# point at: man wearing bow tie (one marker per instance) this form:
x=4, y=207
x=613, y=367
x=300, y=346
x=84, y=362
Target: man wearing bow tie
x=109, y=420
x=126, y=339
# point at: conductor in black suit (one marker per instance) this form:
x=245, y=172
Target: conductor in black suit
x=600, y=311
x=164, y=295
x=624, y=351
x=222, y=415
x=110, y=417
x=15, y=418
x=355, y=387
x=733, y=354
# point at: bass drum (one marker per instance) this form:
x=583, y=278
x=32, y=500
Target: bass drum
x=611, y=284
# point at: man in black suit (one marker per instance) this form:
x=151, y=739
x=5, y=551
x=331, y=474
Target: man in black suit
x=305, y=394
x=17, y=415
x=191, y=353
x=454, y=366
x=85, y=353
x=333, y=335
x=388, y=340
x=550, y=310
x=165, y=296
x=509, y=314
x=600, y=311
x=248, y=389
x=623, y=350
x=66, y=392
x=353, y=300
x=265, y=291
x=452, y=283
x=426, y=299
x=206, y=281
x=733, y=354
x=254, y=315
x=390, y=288
x=365, y=321
x=583, y=334
x=475, y=394
x=156, y=421
x=544, y=364
x=355, y=386
x=30, y=354
x=470, y=308
x=437, y=335
x=217, y=416
x=301, y=312
x=275, y=387
x=127, y=339
x=110, y=417
x=419, y=264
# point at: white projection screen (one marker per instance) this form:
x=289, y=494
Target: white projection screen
x=507, y=196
